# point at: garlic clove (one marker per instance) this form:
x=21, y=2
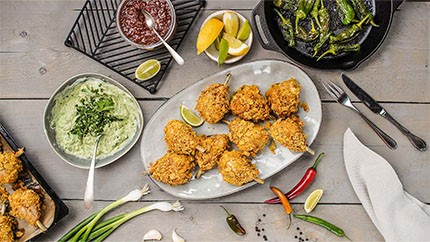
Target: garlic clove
x=152, y=235
x=176, y=237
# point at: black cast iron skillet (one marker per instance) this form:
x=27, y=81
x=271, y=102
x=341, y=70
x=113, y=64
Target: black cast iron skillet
x=270, y=37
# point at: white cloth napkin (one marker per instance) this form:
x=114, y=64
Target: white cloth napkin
x=397, y=215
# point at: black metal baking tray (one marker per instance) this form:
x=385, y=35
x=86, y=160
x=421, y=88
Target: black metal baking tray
x=61, y=209
x=95, y=34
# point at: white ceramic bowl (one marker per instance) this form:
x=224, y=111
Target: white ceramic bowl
x=212, y=52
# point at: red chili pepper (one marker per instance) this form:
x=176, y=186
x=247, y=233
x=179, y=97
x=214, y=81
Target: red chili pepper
x=301, y=186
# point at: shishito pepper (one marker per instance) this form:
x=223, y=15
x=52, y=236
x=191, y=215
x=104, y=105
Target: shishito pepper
x=307, y=36
x=350, y=33
x=324, y=19
x=362, y=11
x=347, y=13
x=234, y=223
x=287, y=29
x=304, y=7
x=321, y=222
x=336, y=49
x=285, y=4
x=315, y=12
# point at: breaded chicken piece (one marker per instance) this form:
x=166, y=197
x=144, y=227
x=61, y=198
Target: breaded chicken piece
x=10, y=166
x=284, y=97
x=248, y=136
x=180, y=137
x=237, y=169
x=214, y=146
x=213, y=103
x=248, y=103
x=7, y=225
x=25, y=204
x=289, y=133
x=172, y=169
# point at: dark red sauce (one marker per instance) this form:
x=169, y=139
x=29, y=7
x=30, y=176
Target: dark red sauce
x=132, y=21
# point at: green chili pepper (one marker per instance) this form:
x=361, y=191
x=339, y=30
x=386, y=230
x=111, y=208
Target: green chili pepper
x=350, y=33
x=315, y=12
x=285, y=4
x=234, y=223
x=307, y=36
x=286, y=29
x=304, y=7
x=336, y=49
x=325, y=33
x=321, y=222
x=361, y=11
x=346, y=11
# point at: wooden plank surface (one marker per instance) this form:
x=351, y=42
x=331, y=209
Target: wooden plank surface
x=34, y=62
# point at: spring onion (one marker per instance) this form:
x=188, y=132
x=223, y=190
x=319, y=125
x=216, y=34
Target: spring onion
x=85, y=227
x=104, y=231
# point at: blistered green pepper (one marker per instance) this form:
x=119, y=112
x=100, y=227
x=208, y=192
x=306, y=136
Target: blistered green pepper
x=361, y=11
x=285, y=4
x=336, y=49
x=307, y=36
x=287, y=29
x=304, y=7
x=314, y=12
x=347, y=13
x=350, y=33
x=324, y=18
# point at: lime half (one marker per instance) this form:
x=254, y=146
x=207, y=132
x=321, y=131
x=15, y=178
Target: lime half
x=313, y=199
x=147, y=70
x=190, y=117
x=244, y=31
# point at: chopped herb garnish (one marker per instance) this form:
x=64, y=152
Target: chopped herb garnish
x=93, y=114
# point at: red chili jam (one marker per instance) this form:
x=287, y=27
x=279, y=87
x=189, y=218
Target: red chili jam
x=132, y=21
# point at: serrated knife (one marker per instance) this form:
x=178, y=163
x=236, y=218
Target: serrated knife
x=416, y=141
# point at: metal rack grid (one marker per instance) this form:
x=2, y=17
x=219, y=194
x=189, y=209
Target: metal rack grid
x=95, y=34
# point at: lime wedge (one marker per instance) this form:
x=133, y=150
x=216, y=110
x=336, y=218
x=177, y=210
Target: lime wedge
x=313, y=199
x=223, y=51
x=190, y=117
x=147, y=70
x=244, y=31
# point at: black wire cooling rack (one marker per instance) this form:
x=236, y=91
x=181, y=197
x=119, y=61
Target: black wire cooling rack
x=95, y=34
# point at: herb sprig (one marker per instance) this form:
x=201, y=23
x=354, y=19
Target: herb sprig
x=93, y=114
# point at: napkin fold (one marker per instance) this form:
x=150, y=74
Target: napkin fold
x=396, y=214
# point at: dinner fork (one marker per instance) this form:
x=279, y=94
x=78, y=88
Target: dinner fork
x=342, y=98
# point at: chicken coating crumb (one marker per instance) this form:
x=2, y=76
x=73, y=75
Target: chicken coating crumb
x=25, y=204
x=172, y=169
x=289, y=133
x=250, y=138
x=284, y=98
x=236, y=168
x=180, y=137
x=215, y=146
x=213, y=103
x=7, y=225
x=10, y=166
x=248, y=103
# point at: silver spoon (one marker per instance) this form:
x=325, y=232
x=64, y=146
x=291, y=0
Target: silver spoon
x=150, y=23
x=89, y=187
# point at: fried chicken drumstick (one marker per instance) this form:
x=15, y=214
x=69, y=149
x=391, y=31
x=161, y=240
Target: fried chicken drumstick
x=25, y=204
x=7, y=225
x=180, y=138
x=237, y=169
x=10, y=166
x=289, y=133
x=283, y=97
x=248, y=103
x=249, y=137
x=172, y=169
x=213, y=102
x=215, y=146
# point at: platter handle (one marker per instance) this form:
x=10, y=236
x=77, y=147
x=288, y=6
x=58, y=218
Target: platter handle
x=259, y=26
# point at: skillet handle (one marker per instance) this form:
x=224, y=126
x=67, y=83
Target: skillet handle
x=259, y=25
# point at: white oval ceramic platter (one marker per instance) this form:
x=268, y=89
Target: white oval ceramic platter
x=262, y=73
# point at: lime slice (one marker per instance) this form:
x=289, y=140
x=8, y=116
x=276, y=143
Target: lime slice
x=313, y=199
x=190, y=117
x=223, y=51
x=244, y=31
x=147, y=70
x=235, y=46
x=231, y=23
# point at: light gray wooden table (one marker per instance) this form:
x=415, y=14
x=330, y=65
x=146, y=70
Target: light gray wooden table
x=34, y=62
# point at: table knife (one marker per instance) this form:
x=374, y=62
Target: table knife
x=416, y=141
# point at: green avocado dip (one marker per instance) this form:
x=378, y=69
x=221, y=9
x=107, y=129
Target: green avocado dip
x=91, y=107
